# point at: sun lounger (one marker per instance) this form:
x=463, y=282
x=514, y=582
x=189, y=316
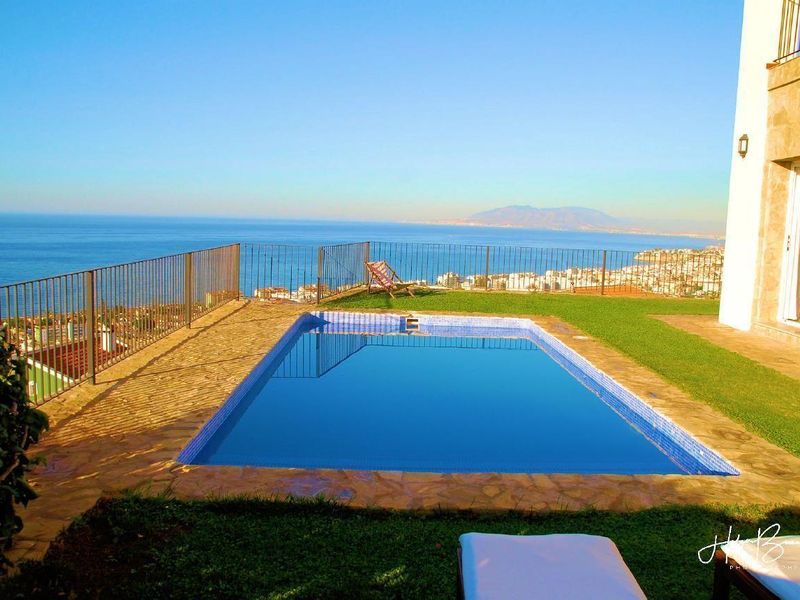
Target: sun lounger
x=382, y=274
x=766, y=569
x=493, y=566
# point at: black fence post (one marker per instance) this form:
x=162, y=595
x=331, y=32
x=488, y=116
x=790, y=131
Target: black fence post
x=603, y=276
x=237, y=250
x=187, y=288
x=320, y=264
x=366, y=260
x=91, y=327
x=486, y=272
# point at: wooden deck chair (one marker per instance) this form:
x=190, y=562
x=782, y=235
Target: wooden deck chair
x=381, y=273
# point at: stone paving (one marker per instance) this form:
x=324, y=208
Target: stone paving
x=771, y=352
x=127, y=431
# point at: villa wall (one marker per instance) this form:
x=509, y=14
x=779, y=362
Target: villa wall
x=759, y=45
x=782, y=149
x=768, y=111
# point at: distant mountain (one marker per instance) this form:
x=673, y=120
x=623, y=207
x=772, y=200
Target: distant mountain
x=568, y=218
x=577, y=218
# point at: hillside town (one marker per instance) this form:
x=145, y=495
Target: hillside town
x=680, y=272
x=695, y=273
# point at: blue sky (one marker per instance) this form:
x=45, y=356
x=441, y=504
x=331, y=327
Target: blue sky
x=377, y=110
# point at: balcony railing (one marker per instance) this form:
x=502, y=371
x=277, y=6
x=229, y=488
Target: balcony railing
x=789, y=45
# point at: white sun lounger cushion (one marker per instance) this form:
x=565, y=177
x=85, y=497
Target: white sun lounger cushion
x=775, y=562
x=564, y=566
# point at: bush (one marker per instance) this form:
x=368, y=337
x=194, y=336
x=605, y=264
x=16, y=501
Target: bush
x=20, y=426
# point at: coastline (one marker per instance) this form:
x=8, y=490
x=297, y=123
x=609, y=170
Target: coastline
x=720, y=237
x=694, y=235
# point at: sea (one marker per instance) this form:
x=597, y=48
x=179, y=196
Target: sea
x=40, y=245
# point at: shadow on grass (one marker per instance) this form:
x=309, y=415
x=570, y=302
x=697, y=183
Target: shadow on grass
x=382, y=300
x=134, y=547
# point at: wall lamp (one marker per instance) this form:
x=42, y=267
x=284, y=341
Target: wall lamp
x=744, y=145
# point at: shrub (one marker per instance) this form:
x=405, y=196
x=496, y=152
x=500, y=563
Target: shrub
x=21, y=424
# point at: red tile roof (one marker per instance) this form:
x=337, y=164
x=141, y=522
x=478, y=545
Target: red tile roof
x=71, y=359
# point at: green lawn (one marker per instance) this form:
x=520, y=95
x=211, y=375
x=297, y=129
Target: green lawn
x=763, y=400
x=160, y=548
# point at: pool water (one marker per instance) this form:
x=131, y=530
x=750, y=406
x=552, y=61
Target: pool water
x=440, y=403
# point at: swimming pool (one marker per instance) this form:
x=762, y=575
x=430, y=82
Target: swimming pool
x=440, y=394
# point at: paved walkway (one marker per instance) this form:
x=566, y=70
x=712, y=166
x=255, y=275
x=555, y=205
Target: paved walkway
x=768, y=351
x=127, y=431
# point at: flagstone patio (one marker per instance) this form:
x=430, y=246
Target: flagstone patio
x=126, y=432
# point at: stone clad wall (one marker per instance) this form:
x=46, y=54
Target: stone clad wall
x=783, y=117
x=771, y=236
x=783, y=149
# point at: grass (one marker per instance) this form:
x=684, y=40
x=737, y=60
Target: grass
x=136, y=547
x=764, y=401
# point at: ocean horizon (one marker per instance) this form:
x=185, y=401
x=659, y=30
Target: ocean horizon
x=41, y=245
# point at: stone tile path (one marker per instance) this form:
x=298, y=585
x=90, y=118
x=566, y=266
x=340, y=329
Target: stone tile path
x=127, y=431
x=769, y=351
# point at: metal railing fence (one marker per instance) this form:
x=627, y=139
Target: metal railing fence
x=279, y=273
x=311, y=274
x=48, y=322
x=70, y=327
x=341, y=268
x=511, y=268
x=283, y=273
x=789, y=41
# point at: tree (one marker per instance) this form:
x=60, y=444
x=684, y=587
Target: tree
x=21, y=425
